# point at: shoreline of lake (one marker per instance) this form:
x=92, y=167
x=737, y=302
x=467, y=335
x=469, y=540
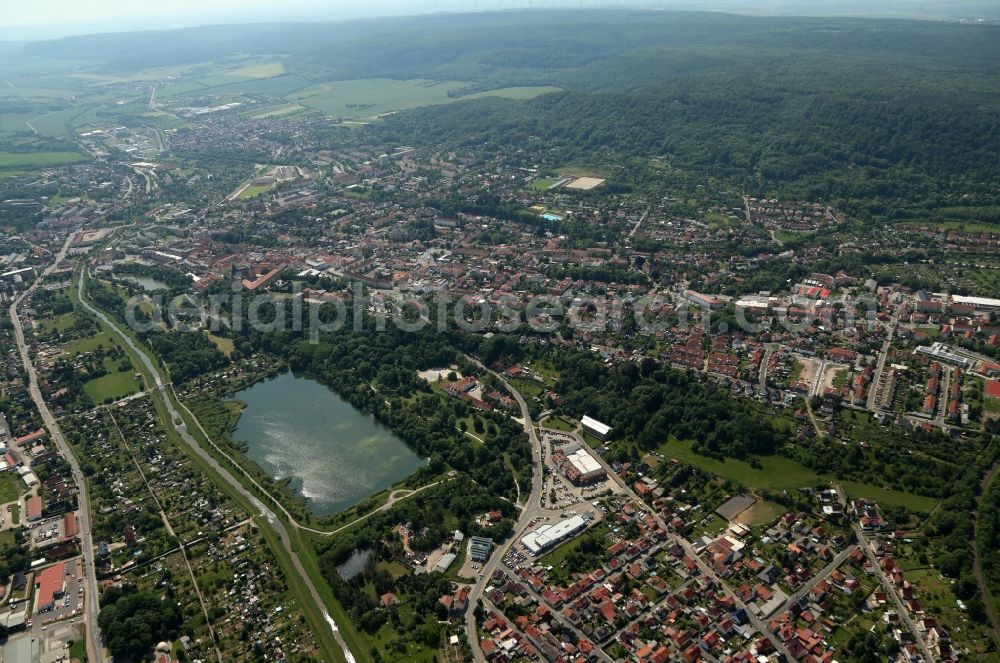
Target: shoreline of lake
x=332, y=454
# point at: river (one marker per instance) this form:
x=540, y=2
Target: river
x=335, y=454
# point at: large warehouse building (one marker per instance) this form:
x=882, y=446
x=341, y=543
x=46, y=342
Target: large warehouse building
x=546, y=536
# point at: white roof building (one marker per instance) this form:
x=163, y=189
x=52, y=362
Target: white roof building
x=545, y=536
x=595, y=427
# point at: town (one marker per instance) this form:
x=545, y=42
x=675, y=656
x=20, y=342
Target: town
x=612, y=410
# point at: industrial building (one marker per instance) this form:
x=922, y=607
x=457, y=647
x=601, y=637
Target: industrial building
x=445, y=561
x=546, y=536
x=50, y=584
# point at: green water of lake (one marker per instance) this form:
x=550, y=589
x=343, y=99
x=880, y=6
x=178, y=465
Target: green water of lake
x=145, y=282
x=335, y=454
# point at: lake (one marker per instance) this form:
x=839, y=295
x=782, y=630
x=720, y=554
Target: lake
x=145, y=282
x=334, y=454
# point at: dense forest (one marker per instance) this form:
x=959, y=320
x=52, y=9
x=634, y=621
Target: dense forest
x=133, y=622
x=888, y=141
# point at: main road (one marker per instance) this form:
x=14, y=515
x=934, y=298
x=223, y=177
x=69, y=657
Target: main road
x=532, y=509
x=161, y=391
x=873, y=387
x=95, y=650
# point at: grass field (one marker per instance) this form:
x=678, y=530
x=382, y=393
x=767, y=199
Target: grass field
x=278, y=111
x=592, y=442
x=374, y=96
x=54, y=123
x=90, y=343
x=262, y=70
x=154, y=74
x=39, y=159
x=57, y=325
x=966, y=226
x=762, y=513
x=15, y=121
x=558, y=423
x=779, y=473
x=557, y=558
x=225, y=345
x=528, y=387
x=112, y=385
x=9, y=487
x=543, y=184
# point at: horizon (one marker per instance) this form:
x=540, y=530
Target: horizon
x=18, y=25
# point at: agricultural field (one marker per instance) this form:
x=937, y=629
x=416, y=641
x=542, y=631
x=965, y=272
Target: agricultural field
x=278, y=111
x=39, y=159
x=262, y=70
x=375, y=96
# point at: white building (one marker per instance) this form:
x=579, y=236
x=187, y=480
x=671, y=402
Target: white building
x=595, y=427
x=546, y=536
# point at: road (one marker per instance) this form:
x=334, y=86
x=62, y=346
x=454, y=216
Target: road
x=942, y=409
x=705, y=569
x=637, y=224
x=804, y=590
x=873, y=387
x=178, y=423
x=532, y=509
x=890, y=590
x=95, y=650
x=394, y=499
x=764, y=362
x=558, y=616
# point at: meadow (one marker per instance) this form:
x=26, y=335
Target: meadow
x=111, y=386
x=370, y=97
x=18, y=159
x=780, y=473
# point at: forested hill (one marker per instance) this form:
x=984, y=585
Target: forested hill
x=888, y=118
x=590, y=49
x=890, y=142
